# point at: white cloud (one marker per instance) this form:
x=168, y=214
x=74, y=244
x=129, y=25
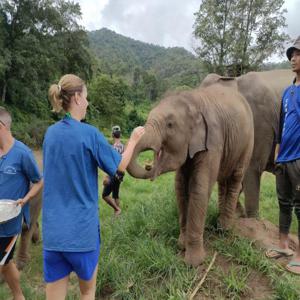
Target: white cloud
x=292, y=17
x=92, y=13
x=162, y=22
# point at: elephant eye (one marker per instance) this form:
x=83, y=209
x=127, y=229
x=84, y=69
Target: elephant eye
x=169, y=124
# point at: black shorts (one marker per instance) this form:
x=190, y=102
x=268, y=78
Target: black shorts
x=7, y=248
x=113, y=186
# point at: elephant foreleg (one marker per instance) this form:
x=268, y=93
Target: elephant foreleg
x=23, y=251
x=29, y=233
x=182, y=202
x=251, y=186
x=200, y=187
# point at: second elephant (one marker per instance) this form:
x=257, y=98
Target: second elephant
x=263, y=91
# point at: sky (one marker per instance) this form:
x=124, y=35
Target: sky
x=167, y=23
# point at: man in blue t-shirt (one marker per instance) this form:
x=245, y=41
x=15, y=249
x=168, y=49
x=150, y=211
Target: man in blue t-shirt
x=288, y=164
x=18, y=169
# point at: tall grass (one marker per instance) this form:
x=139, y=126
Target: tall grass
x=140, y=259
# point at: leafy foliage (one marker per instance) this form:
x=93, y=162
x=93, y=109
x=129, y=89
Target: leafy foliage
x=40, y=41
x=109, y=96
x=139, y=62
x=239, y=35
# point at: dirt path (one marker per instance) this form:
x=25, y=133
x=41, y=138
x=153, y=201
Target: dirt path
x=263, y=232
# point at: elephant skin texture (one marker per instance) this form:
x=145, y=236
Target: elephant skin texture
x=32, y=233
x=263, y=91
x=206, y=136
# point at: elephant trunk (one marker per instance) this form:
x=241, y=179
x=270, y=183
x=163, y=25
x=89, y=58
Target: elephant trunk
x=149, y=141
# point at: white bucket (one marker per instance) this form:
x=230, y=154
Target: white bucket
x=8, y=210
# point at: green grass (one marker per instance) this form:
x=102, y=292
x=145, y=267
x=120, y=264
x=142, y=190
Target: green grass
x=139, y=255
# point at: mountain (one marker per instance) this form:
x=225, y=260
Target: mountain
x=123, y=56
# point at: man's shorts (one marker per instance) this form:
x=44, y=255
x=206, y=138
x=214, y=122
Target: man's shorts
x=113, y=186
x=58, y=265
x=7, y=249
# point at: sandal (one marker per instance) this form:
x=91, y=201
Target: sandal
x=291, y=267
x=277, y=253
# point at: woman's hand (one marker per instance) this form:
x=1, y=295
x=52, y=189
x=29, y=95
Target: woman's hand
x=21, y=202
x=137, y=133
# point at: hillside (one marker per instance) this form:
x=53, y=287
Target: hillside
x=124, y=56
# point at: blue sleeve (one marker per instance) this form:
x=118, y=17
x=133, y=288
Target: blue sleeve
x=30, y=167
x=108, y=159
x=296, y=102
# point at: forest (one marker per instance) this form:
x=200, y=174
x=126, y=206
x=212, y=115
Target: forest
x=42, y=40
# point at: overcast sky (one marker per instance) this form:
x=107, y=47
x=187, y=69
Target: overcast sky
x=166, y=23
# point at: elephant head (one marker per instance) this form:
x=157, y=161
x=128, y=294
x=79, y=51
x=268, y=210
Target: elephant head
x=176, y=128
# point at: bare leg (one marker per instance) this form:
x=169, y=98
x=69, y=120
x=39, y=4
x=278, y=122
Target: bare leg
x=57, y=290
x=283, y=241
x=12, y=277
x=110, y=201
x=88, y=288
x=117, y=201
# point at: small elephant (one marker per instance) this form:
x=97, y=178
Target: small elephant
x=263, y=91
x=206, y=135
x=29, y=234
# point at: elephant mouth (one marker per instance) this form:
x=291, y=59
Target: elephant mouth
x=155, y=166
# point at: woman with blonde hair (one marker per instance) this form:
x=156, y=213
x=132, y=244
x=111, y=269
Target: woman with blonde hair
x=72, y=153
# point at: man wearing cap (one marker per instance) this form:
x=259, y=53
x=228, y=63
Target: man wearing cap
x=18, y=169
x=112, y=184
x=288, y=164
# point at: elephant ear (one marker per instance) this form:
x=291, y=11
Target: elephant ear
x=199, y=138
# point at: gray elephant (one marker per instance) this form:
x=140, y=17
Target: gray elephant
x=29, y=234
x=32, y=233
x=206, y=135
x=263, y=91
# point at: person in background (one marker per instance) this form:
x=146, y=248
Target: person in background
x=288, y=164
x=20, y=180
x=112, y=184
x=72, y=153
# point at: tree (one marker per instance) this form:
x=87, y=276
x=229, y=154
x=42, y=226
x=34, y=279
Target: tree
x=237, y=36
x=108, y=97
x=39, y=41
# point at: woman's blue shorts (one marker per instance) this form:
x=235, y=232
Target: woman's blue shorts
x=58, y=265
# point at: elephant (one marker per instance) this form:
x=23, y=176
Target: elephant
x=263, y=91
x=32, y=233
x=206, y=136
x=29, y=234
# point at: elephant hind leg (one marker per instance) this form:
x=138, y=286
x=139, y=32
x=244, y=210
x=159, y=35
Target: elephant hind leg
x=230, y=198
x=222, y=192
x=251, y=186
x=35, y=233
